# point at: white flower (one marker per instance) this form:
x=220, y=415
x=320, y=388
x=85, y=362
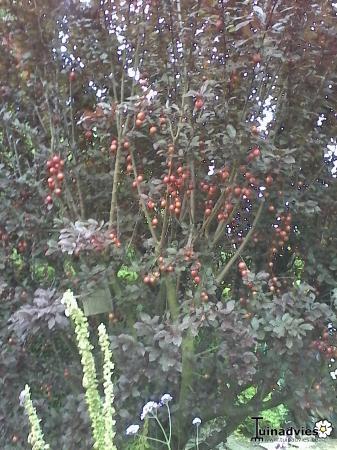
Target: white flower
x=69, y=302
x=22, y=397
x=166, y=398
x=324, y=428
x=149, y=408
x=334, y=374
x=132, y=430
x=196, y=421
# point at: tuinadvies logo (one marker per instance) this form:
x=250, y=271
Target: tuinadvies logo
x=322, y=429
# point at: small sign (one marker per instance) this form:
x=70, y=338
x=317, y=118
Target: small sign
x=99, y=302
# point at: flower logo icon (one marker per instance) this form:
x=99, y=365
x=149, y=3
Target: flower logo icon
x=324, y=428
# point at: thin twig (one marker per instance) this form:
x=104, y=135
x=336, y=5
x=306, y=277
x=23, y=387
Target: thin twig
x=228, y=266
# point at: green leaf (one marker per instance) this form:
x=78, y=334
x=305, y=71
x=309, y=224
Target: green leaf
x=289, y=159
x=255, y=323
x=231, y=131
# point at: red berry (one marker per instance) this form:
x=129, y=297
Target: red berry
x=224, y=175
x=60, y=176
x=56, y=159
x=141, y=116
x=58, y=192
x=256, y=58
x=219, y=24
x=237, y=191
x=256, y=152
x=49, y=200
x=153, y=130
x=197, y=280
x=88, y=135
x=198, y=104
x=72, y=76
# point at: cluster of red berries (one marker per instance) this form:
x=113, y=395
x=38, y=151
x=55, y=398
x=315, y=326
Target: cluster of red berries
x=283, y=230
x=253, y=154
x=56, y=176
x=282, y=233
x=114, y=238
x=211, y=189
x=114, y=317
x=165, y=267
x=140, y=118
x=195, y=272
x=150, y=204
x=223, y=174
x=208, y=207
x=275, y=284
x=129, y=166
x=113, y=146
x=175, y=181
x=22, y=246
x=253, y=181
x=139, y=179
x=151, y=278
x=324, y=346
x=243, y=269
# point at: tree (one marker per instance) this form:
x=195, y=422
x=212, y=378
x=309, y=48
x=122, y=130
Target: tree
x=173, y=164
